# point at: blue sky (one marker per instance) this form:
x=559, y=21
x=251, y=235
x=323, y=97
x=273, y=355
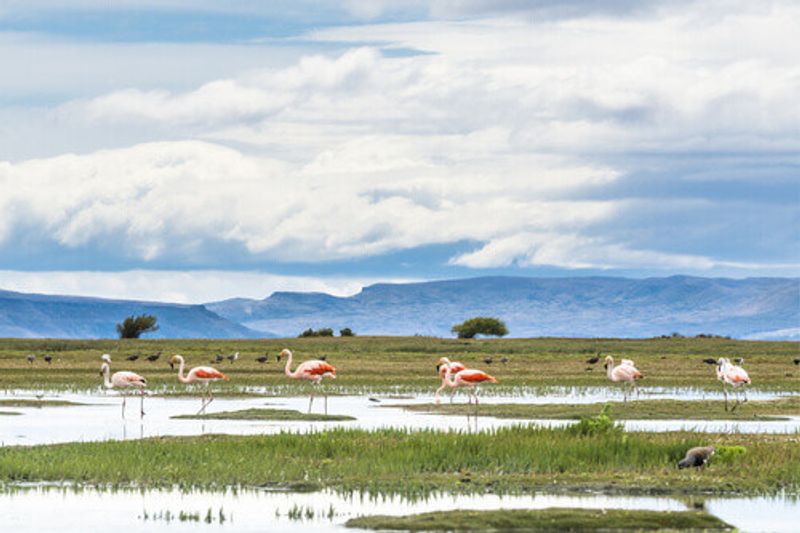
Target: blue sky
x=194, y=151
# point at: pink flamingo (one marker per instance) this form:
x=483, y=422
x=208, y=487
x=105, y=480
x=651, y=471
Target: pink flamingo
x=198, y=374
x=441, y=367
x=469, y=378
x=625, y=373
x=122, y=380
x=733, y=375
x=313, y=371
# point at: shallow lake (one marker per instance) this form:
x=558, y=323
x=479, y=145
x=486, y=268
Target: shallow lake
x=101, y=418
x=42, y=508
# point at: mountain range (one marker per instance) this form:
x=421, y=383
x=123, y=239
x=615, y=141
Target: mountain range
x=753, y=308
x=564, y=307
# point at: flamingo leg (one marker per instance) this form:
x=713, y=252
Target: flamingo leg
x=326, y=403
x=725, y=392
x=123, y=406
x=310, y=401
x=141, y=406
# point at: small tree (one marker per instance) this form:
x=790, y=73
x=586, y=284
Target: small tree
x=346, y=332
x=325, y=332
x=480, y=325
x=134, y=326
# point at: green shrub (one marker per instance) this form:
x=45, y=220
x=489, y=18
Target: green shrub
x=601, y=424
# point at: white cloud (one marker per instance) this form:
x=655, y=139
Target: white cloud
x=191, y=287
x=493, y=138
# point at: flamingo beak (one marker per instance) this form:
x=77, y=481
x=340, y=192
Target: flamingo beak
x=172, y=366
x=437, y=368
x=605, y=365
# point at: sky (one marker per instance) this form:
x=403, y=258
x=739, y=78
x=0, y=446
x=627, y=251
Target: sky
x=192, y=151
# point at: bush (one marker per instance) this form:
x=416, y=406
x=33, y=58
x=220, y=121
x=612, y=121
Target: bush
x=322, y=332
x=481, y=325
x=346, y=332
x=134, y=326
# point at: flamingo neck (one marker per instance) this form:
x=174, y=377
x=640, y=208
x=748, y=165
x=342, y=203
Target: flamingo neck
x=106, y=370
x=610, y=368
x=181, y=377
x=449, y=379
x=288, y=368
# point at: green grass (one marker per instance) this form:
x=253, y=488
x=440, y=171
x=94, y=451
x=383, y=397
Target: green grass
x=267, y=414
x=9, y=413
x=508, y=459
x=633, y=410
x=400, y=364
x=38, y=403
x=553, y=519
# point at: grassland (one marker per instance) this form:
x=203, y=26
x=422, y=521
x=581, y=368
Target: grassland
x=400, y=364
x=37, y=403
x=267, y=414
x=633, y=410
x=407, y=462
x=544, y=520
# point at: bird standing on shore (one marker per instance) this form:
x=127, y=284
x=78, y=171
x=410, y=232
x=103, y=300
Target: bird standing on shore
x=469, y=378
x=133, y=357
x=593, y=360
x=312, y=371
x=625, y=372
x=31, y=358
x=198, y=374
x=233, y=357
x=122, y=380
x=153, y=357
x=733, y=376
x=48, y=359
x=262, y=359
x=696, y=457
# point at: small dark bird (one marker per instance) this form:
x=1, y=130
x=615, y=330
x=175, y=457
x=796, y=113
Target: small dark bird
x=278, y=357
x=797, y=361
x=262, y=359
x=30, y=359
x=488, y=359
x=133, y=357
x=48, y=359
x=233, y=357
x=739, y=361
x=696, y=457
x=593, y=360
x=710, y=361
x=219, y=358
x=322, y=357
x=153, y=357
x=374, y=400
x=504, y=359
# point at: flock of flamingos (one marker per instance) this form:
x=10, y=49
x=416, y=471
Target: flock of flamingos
x=453, y=374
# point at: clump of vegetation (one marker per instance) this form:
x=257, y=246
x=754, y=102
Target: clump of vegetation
x=600, y=424
x=481, y=325
x=134, y=327
x=544, y=520
x=321, y=332
x=729, y=454
x=346, y=332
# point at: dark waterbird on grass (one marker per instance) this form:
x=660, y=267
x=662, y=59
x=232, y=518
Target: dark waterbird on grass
x=504, y=359
x=593, y=360
x=696, y=457
x=31, y=358
x=322, y=357
x=710, y=361
x=233, y=357
x=133, y=357
x=797, y=360
x=219, y=358
x=262, y=359
x=488, y=359
x=153, y=357
x=48, y=359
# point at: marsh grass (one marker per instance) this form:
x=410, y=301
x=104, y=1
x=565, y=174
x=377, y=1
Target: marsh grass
x=632, y=410
x=400, y=461
x=38, y=403
x=544, y=519
x=267, y=414
x=400, y=364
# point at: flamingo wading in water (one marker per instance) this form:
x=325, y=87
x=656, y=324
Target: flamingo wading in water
x=626, y=373
x=469, y=378
x=733, y=375
x=122, y=380
x=313, y=371
x=441, y=367
x=198, y=374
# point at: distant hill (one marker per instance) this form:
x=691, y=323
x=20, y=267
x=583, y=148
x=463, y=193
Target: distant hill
x=767, y=308
x=38, y=315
